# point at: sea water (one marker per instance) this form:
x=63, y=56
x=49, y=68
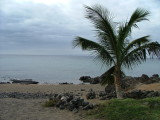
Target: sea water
x=57, y=69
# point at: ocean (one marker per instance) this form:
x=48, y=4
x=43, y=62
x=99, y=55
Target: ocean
x=57, y=69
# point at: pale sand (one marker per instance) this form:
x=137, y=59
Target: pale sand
x=48, y=88
x=32, y=109
x=154, y=87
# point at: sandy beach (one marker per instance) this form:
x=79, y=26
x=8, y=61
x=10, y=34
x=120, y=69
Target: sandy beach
x=46, y=88
x=32, y=109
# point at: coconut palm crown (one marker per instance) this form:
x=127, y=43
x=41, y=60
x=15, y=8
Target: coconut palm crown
x=114, y=47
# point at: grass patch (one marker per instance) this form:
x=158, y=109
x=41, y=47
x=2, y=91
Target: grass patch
x=50, y=103
x=128, y=109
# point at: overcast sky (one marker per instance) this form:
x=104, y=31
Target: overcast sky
x=48, y=27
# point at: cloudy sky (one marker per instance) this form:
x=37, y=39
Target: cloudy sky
x=48, y=27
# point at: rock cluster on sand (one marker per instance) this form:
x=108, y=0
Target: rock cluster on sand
x=64, y=100
x=91, y=94
x=70, y=102
x=127, y=81
x=140, y=94
x=135, y=94
x=88, y=79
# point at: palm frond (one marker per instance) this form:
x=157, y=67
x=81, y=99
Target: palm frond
x=126, y=27
x=102, y=21
x=138, y=16
x=108, y=76
x=137, y=43
x=154, y=49
x=97, y=49
x=139, y=54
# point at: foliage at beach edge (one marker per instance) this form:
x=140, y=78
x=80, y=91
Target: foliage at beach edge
x=127, y=109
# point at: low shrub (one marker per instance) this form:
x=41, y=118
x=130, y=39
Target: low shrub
x=50, y=103
x=128, y=109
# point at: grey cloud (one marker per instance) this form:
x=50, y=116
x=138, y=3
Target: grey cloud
x=29, y=26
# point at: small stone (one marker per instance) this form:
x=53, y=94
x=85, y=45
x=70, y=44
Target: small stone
x=82, y=89
x=75, y=110
x=62, y=107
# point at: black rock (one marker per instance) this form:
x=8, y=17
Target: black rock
x=70, y=107
x=85, y=79
x=75, y=110
x=90, y=106
x=85, y=103
x=61, y=107
x=155, y=76
x=109, y=89
x=91, y=94
x=102, y=93
x=95, y=80
x=140, y=94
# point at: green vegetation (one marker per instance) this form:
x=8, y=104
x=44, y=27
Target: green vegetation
x=50, y=103
x=128, y=109
x=115, y=47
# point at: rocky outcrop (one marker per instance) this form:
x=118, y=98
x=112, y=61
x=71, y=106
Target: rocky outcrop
x=127, y=81
x=91, y=94
x=88, y=79
x=70, y=102
x=140, y=94
x=25, y=81
x=85, y=79
x=67, y=101
x=4, y=82
x=135, y=94
x=65, y=83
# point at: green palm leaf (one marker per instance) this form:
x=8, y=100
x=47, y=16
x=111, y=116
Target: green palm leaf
x=97, y=49
x=139, y=54
x=102, y=21
x=126, y=27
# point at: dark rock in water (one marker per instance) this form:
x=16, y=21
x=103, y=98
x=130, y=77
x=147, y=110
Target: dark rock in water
x=155, y=76
x=85, y=79
x=65, y=83
x=25, y=81
x=4, y=82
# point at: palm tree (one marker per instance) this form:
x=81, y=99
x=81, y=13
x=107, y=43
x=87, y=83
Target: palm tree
x=113, y=47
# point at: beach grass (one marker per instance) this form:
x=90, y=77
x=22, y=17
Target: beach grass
x=127, y=109
x=50, y=103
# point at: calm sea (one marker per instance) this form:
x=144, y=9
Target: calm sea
x=56, y=69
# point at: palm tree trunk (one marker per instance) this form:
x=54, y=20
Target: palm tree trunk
x=117, y=82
